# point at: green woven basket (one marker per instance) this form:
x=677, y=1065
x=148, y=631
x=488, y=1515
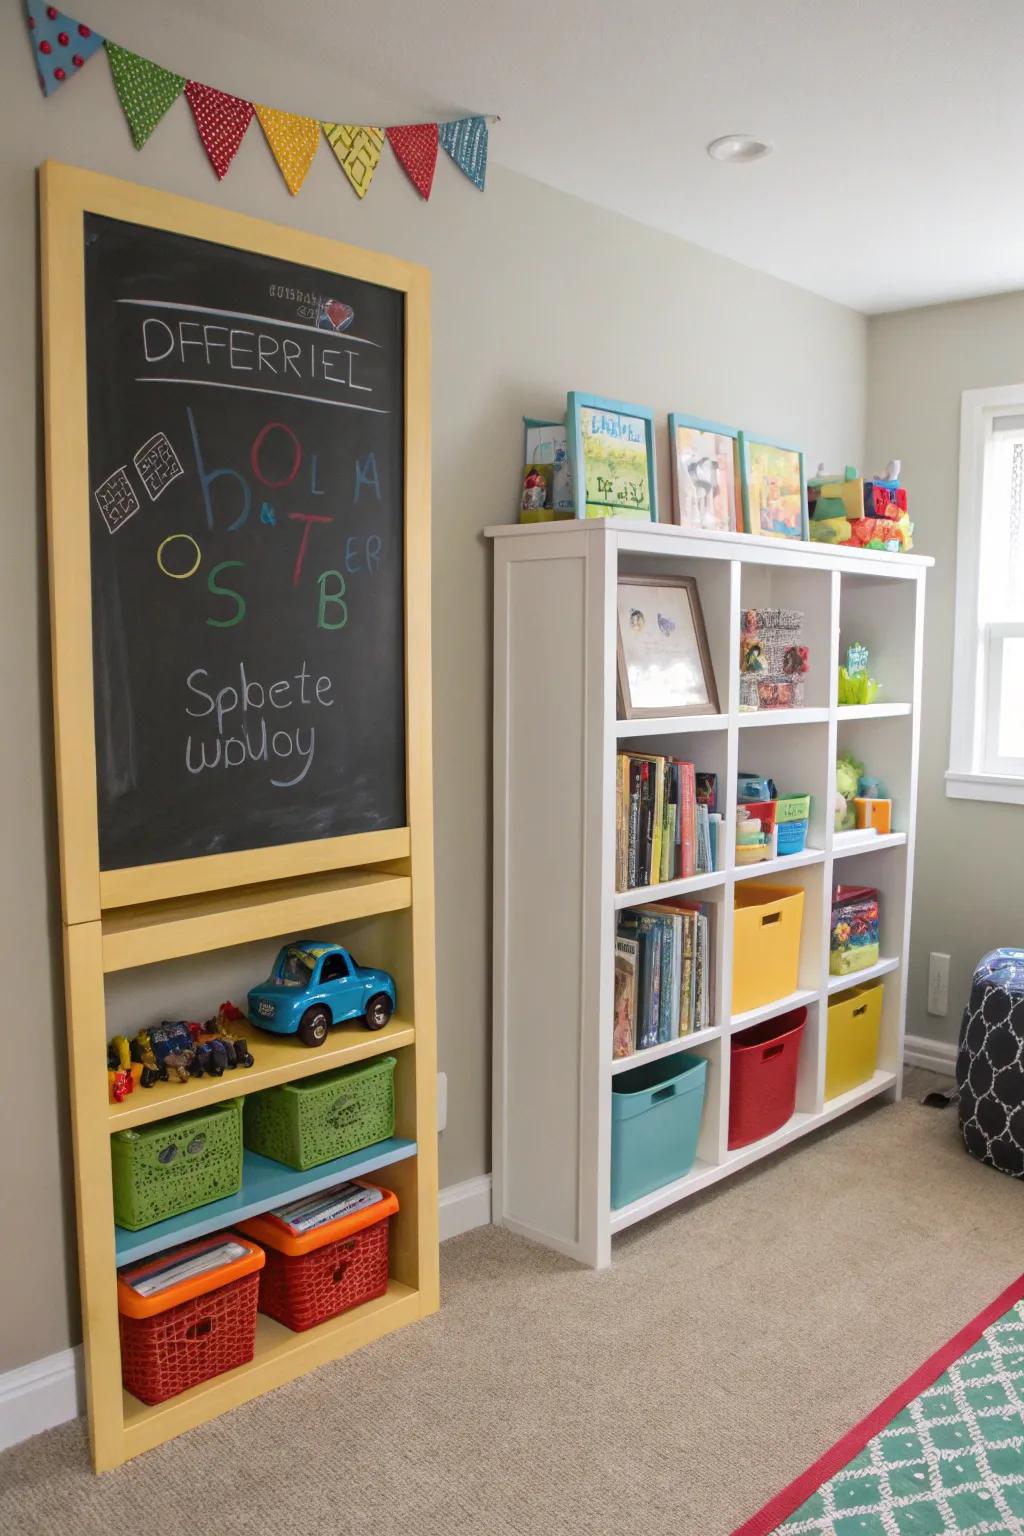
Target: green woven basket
x=175, y=1165
x=323, y=1117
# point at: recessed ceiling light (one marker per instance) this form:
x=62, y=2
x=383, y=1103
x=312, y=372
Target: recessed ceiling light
x=738, y=148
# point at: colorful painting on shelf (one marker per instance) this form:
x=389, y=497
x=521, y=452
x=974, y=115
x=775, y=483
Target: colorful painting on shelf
x=613, y=449
x=705, y=475
x=774, y=495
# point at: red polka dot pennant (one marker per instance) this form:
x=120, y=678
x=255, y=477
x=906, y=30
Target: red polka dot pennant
x=415, y=144
x=221, y=120
x=60, y=43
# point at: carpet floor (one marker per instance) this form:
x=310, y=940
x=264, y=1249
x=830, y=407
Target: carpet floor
x=730, y=1344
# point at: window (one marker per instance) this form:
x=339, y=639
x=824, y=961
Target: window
x=335, y=968
x=986, y=758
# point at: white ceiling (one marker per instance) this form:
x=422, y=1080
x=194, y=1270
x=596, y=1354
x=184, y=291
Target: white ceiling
x=897, y=124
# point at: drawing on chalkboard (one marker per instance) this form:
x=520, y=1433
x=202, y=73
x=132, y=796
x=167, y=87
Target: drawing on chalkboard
x=334, y=315
x=116, y=499
x=157, y=464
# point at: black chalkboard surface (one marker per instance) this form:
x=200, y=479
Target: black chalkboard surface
x=246, y=463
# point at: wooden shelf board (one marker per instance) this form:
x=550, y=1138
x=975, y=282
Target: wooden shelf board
x=795, y=999
x=809, y=716
x=779, y=866
x=278, y=1059
x=188, y=925
x=670, y=725
x=265, y=1183
x=858, y=978
x=869, y=844
x=871, y=711
x=279, y=1357
x=667, y=1048
x=645, y=893
x=702, y=1174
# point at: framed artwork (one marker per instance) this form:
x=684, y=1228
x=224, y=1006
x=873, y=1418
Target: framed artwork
x=664, y=664
x=611, y=449
x=705, y=474
x=774, y=490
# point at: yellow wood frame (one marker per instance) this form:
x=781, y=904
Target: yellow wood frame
x=121, y=918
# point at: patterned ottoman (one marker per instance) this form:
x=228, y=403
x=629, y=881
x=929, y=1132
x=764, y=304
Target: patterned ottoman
x=990, y=1063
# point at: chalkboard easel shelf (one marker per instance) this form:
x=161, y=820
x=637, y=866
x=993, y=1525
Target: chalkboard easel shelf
x=166, y=930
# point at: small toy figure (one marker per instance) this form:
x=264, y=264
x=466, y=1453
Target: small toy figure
x=848, y=772
x=315, y=984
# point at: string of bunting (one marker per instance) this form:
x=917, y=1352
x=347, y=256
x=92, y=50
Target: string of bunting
x=147, y=91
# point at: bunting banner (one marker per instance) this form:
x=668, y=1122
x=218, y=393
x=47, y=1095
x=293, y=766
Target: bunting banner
x=415, y=144
x=61, y=45
x=144, y=89
x=293, y=140
x=358, y=152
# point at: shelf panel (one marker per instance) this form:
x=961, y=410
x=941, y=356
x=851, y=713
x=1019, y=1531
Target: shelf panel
x=166, y=930
x=279, y=1357
x=279, y=1059
x=645, y=893
x=670, y=725
x=795, y=999
x=667, y=1048
x=265, y=1183
x=702, y=1174
x=871, y=711
x=809, y=716
x=880, y=968
x=779, y=866
x=869, y=844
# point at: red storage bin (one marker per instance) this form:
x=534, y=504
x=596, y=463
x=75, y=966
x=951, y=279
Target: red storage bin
x=317, y=1275
x=197, y=1329
x=762, y=1093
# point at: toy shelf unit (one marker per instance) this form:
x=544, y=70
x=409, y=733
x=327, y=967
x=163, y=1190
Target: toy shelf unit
x=557, y=912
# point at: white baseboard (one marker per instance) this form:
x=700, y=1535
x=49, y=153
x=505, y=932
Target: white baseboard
x=935, y=1055
x=48, y=1392
x=461, y=1207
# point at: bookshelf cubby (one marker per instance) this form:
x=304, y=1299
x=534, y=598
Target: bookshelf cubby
x=556, y=737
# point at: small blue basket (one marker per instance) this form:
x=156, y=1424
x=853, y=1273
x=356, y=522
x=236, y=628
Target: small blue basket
x=792, y=837
x=656, y=1110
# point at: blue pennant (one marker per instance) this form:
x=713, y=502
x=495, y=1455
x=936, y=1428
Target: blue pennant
x=466, y=142
x=61, y=44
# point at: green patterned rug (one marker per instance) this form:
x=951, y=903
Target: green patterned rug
x=943, y=1454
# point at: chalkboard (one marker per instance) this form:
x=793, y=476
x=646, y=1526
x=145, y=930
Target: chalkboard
x=246, y=506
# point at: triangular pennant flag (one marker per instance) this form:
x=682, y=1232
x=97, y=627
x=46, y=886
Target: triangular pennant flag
x=358, y=150
x=415, y=144
x=144, y=89
x=294, y=141
x=466, y=141
x=221, y=120
x=60, y=43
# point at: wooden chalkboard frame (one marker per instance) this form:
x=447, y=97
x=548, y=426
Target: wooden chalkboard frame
x=67, y=195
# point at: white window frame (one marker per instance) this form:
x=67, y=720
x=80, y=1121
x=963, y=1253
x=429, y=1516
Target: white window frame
x=976, y=772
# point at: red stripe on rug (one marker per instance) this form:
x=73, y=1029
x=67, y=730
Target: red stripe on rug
x=853, y=1442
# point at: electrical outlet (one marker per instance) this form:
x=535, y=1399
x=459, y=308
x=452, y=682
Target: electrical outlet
x=938, y=985
x=442, y=1101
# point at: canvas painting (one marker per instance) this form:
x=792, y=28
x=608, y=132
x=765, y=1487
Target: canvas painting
x=773, y=490
x=706, y=479
x=616, y=469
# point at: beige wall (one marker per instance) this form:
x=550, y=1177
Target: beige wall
x=968, y=882
x=535, y=293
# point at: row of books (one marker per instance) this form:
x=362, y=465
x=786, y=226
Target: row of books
x=663, y=974
x=667, y=823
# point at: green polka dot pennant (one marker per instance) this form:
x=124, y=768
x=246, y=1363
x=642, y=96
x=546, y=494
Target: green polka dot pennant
x=145, y=90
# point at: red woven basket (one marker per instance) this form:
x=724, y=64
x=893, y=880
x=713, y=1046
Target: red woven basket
x=165, y=1354
x=763, y=1066
x=312, y=1287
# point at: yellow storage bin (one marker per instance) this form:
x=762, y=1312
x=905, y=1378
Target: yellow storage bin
x=766, y=944
x=854, y=1023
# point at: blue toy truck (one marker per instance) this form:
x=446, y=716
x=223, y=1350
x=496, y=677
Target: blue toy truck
x=315, y=984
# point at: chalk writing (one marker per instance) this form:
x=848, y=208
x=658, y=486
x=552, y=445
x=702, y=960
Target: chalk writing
x=157, y=464
x=251, y=739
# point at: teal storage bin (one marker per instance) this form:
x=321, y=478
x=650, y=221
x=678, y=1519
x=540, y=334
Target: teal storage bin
x=656, y=1110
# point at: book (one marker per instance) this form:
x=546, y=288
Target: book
x=627, y=950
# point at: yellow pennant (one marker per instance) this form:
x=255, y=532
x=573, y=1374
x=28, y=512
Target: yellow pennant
x=294, y=141
x=358, y=150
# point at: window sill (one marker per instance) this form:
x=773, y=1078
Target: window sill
x=985, y=786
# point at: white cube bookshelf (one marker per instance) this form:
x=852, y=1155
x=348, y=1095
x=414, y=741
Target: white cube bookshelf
x=556, y=735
